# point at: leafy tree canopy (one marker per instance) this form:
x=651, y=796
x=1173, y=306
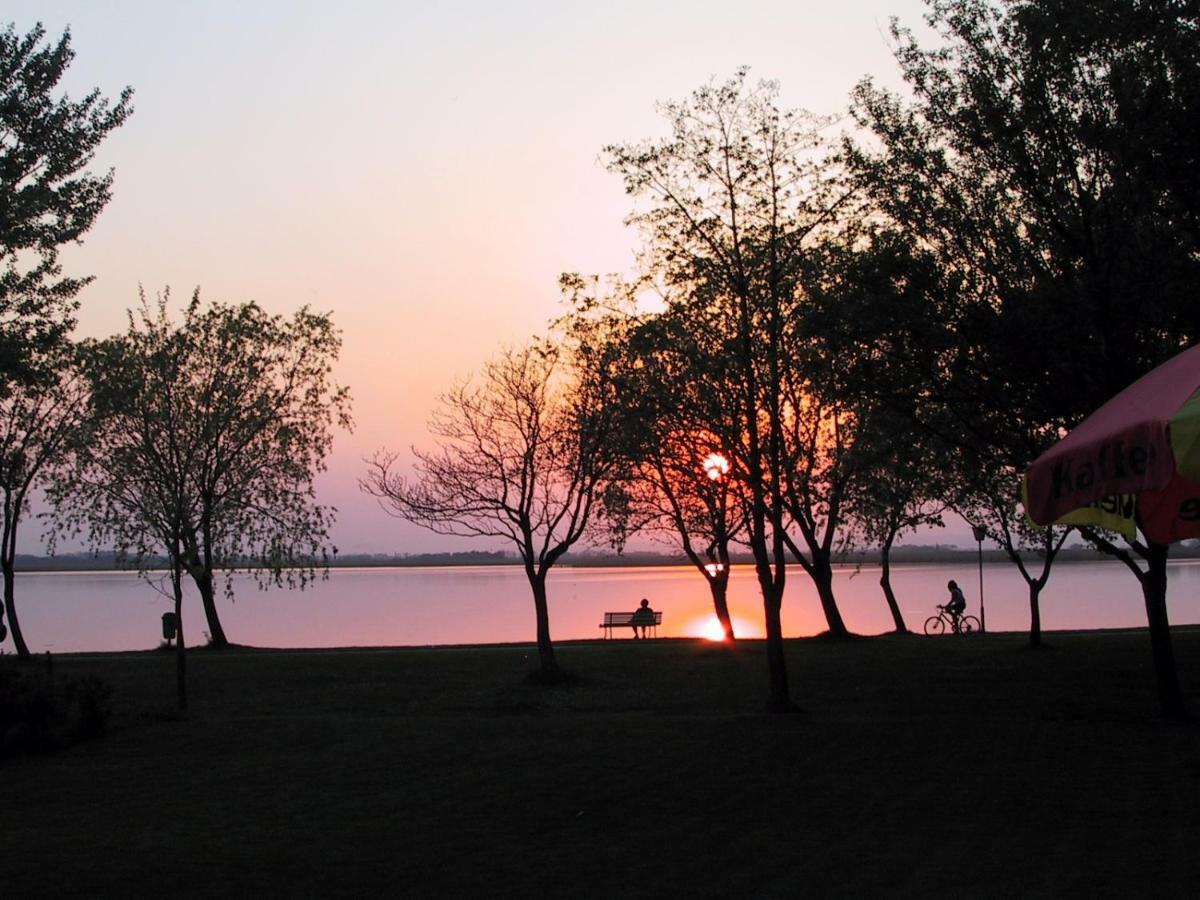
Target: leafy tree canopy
x=48, y=197
x=1033, y=163
x=209, y=434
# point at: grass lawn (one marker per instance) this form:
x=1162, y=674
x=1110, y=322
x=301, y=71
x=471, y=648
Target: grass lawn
x=950, y=766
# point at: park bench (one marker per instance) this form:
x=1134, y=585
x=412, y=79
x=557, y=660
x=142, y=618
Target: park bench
x=625, y=620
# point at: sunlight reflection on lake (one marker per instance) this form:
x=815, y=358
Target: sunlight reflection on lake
x=485, y=604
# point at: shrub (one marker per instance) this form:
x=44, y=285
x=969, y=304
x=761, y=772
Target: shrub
x=38, y=714
x=88, y=707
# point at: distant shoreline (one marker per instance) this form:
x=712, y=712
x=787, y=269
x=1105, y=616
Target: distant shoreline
x=921, y=554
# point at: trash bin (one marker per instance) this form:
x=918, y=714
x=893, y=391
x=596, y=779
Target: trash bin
x=169, y=625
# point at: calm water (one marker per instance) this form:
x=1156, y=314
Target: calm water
x=413, y=606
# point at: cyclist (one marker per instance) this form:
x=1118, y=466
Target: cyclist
x=957, y=602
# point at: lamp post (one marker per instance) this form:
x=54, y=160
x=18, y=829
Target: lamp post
x=716, y=467
x=980, y=534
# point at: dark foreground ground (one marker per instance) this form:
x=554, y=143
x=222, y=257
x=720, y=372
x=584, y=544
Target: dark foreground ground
x=920, y=767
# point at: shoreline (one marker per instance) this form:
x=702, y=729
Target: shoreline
x=945, y=557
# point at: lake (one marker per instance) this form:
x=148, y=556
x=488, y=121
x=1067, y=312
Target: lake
x=81, y=611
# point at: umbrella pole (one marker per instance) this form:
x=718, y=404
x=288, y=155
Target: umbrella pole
x=1154, y=592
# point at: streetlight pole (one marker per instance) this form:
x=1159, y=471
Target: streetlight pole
x=716, y=467
x=980, y=534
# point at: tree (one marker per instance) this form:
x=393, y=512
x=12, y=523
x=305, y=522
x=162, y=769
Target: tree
x=899, y=491
x=233, y=410
x=1147, y=562
x=1039, y=163
x=265, y=419
x=991, y=499
x=676, y=479
x=732, y=197
x=1007, y=167
x=867, y=316
x=127, y=482
x=820, y=439
x=1148, y=58
x=520, y=455
x=38, y=420
x=48, y=198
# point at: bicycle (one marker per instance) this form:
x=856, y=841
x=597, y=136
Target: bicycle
x=943, y=622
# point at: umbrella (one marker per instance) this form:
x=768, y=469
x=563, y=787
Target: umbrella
x=1134, y=461
x=1137, y=455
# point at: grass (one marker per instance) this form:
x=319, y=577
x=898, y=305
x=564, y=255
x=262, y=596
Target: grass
x=919, y=767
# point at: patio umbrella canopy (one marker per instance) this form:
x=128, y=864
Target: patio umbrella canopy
x=1135, y=461
x=1139, y=453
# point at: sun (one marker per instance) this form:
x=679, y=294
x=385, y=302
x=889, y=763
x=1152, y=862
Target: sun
x=711, y=630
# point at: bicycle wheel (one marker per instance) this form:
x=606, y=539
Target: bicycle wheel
x=969, y=625
x=935, y=625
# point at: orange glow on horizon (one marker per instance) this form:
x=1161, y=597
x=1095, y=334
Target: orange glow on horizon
x=709, y=628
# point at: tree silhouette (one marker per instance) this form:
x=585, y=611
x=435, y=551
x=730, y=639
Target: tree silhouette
x=728, y=203
x=520, y=455
x=989, y=496
x=1042, y=162
x=38, y=420
x=204, y=442
x=676, y=481
x=871, y=321
x=48, y=198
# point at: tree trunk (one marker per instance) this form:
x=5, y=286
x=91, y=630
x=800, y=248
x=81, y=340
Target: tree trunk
x=180, y=652
x=1154, y=592
x=203, y=578
x=719, y=586
x=10, y=611
x=885, y=582
x=1035, y=614
x=8, y=556
x=216, y=632
x=822, y=576
x=779, y=699
x=549, y=665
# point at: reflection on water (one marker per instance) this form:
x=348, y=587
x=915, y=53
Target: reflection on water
x=414, y=606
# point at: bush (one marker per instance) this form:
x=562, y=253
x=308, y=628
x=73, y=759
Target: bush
x=88, y=707
x=38, y=715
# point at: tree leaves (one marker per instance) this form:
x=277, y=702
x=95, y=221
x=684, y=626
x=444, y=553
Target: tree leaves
x=208, y=433
x=47, y=196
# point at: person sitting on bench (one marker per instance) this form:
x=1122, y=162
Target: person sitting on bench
x=643, y=618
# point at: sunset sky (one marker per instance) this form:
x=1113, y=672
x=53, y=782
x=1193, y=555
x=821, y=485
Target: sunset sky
x=423, y=171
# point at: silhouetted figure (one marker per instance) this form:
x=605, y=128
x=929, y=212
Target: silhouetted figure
x=643, y=618
x=957, y=602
